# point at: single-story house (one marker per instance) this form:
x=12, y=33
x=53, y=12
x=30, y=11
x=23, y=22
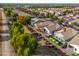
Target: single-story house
x=74, y=43
x=41, y=24
x=39, y=20
x=46, y=25
x=70, y=20
x=34, y=20
x=49, y=30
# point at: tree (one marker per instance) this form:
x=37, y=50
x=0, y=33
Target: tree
x=72, y=24
x=26, y=52
x=12, y=20
x=23, y=40
x=16, y=27
x=60, y=21
x=23, y=43
x=32, y=43
x=42, y=14
x=12, y=13
x=49, y=15
x=27, y=20
x=6, y=13
x=68, y=11
x=20, y=19
x=19, y=51
x=34, y=13
x=9, y=11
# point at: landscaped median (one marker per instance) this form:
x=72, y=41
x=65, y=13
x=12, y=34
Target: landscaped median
x=53, y=39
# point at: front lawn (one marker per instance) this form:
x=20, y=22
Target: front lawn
x=56, y=41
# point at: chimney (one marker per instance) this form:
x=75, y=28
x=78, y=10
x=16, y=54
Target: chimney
x=64, y=29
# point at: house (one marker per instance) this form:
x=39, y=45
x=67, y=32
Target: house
x=34, y=20
x=59, y=13
x=69, y=15
x=46, y=25
x=70, y=20
x=39, y=20
x=41, y=24
x=49, y=30
x=77, y=22
x=65, y=34
x=74, y=43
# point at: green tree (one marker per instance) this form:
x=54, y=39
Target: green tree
x=32, y=43
x=23, y=43
x=72, y=24
x=26, y=52
x=19, y=51
x=12, y=20
x=42, y=14
x=12, y=13
x=60, y=21
x=6, y=13
x=16, y=27
x=27, y=20
x=48, y=15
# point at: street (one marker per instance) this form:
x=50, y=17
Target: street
x=7, y=50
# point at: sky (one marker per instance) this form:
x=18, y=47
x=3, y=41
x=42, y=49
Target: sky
x=39, y=1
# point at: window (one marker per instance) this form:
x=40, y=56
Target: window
x=75, y=49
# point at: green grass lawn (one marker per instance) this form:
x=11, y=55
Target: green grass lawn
x=55, y=41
